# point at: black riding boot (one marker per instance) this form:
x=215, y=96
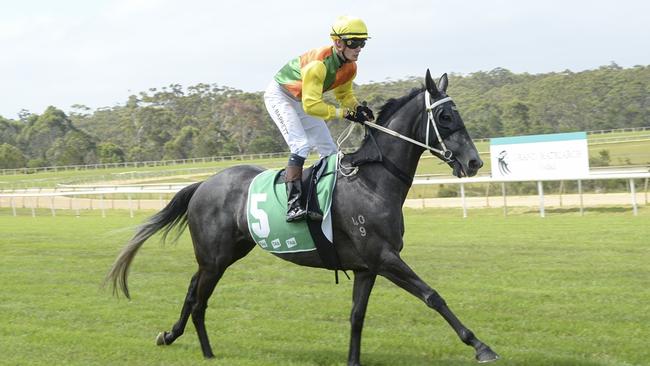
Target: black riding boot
x=292, y=180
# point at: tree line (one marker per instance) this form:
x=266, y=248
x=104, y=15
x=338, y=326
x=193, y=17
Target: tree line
x=174, y=122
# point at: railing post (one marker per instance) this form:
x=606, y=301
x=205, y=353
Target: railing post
x=505, y=203
x=633, y=192
x=462, y=197
x=540, y=189
x=582, y=210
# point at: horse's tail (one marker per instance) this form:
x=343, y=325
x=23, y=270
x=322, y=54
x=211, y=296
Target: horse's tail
x=173, y=215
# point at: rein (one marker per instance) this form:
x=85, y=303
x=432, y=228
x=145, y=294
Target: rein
x=445, y=153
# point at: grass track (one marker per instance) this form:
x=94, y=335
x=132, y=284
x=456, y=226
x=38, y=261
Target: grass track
x=564, y=290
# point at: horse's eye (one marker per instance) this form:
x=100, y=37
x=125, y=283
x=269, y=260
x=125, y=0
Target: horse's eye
x=446, y=117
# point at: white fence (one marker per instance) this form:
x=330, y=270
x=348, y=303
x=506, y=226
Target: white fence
x=105, y=197
x=604, y=175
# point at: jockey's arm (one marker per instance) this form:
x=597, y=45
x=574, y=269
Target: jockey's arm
x=313, y=78
x=345, y=96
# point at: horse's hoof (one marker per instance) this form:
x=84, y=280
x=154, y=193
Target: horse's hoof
x=486, y=354
x=160, y=340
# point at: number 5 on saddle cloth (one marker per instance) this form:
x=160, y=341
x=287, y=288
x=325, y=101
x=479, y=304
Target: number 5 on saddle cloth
x=267, y=205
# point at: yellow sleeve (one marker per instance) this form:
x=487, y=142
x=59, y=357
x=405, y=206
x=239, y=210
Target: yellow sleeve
x=313, y=78
x=345, y=95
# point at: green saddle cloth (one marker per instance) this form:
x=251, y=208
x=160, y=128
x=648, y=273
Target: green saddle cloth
x=266, y=210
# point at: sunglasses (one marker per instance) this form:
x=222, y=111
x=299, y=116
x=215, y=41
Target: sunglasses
x=355, y=42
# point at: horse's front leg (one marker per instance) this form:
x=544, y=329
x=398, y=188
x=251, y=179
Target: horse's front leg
x=394, y=268
x=363, y=283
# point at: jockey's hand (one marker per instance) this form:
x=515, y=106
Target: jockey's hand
x=360, y=115
x=355, y=117
x=365, y=111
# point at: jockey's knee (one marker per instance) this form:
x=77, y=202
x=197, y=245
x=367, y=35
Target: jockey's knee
x=300, y=149
x=326, y=149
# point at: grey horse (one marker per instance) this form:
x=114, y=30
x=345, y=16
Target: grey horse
x=385, y=164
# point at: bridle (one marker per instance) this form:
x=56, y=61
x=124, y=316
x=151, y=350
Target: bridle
x=445, y=153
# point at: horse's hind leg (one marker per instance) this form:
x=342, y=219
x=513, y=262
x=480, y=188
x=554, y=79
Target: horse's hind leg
x=210, y=272
x=394, y=268
x=167, y=338
x=207, y=282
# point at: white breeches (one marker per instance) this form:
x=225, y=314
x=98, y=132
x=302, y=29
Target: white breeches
x=301, y=131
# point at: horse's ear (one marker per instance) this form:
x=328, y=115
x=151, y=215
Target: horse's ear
x=443, y=82
x=430, y=84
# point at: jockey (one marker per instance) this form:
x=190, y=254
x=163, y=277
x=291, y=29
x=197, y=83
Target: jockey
x=294, y=99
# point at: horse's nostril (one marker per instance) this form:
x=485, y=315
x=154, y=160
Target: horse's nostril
x=475, y=164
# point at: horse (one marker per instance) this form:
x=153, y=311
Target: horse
x=372, y=184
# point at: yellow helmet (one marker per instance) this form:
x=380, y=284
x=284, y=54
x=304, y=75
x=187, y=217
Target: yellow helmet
x=346, y=27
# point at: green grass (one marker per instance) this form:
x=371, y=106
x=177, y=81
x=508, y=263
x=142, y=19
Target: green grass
x=564, y=290
x=624, y=153
x=51, y=179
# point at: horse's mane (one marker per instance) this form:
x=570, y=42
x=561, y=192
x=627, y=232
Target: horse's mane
x=394, y=104
x=362, y=156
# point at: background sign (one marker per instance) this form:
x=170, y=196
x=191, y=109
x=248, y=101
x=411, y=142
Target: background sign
x=562, y=156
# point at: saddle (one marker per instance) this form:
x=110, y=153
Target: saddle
x=266, y=208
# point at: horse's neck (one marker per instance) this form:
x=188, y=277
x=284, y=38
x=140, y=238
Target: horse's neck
x=407, y=121
x=402, y=154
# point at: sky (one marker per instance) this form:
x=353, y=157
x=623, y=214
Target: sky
x=97, y=53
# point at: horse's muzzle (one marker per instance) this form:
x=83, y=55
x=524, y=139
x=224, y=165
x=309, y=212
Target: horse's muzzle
x=460, y=170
